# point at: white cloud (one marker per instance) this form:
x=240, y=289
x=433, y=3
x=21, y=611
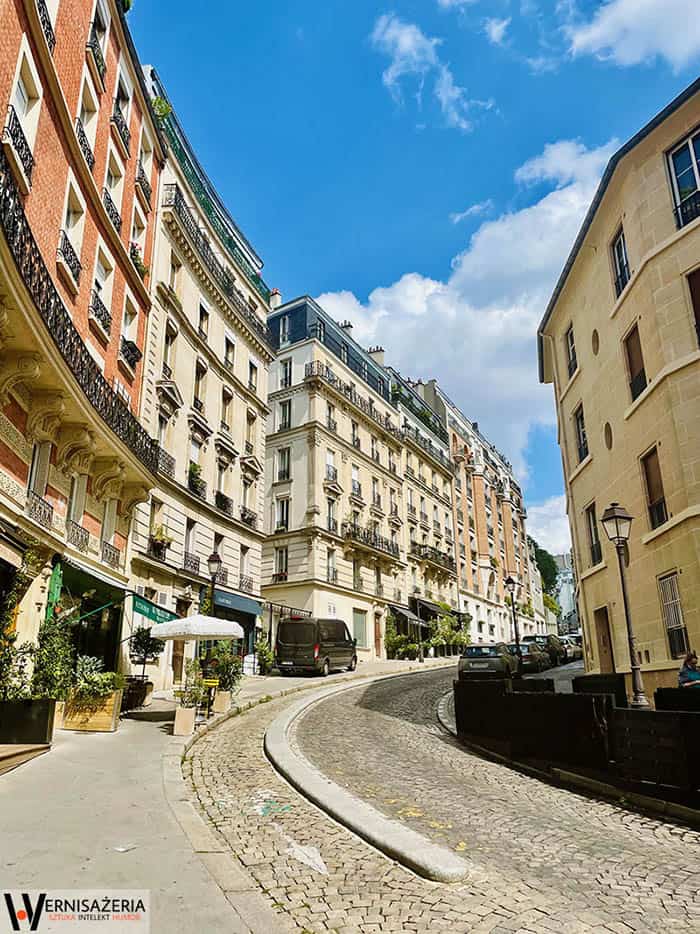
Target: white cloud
x=481, y=208
x=475, y=330
x=413, y=54
x=630, y=32
x=495, y=29
x=548, y=524
x=452, y=4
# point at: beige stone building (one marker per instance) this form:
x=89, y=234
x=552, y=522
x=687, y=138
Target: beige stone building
x=205, y=399
x=620, y=342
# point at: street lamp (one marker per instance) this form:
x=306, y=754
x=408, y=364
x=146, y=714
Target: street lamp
x=511, y=586
x=617, y=523
x=214, y=563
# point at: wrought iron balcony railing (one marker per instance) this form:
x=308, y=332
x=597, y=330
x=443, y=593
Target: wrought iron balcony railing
x=84, y=144
x=143, y=183
x=249, y=517
x=688, y=210
x=356, y=489
x=279, y=577
x=622, y=279
x=69, y=256
x=37, y=280
x=190, y=563
x=638, y=383
x=332, y=425
x=157, y=548
x=332, y=575
x=331, y=473
x=95, y=49
x=111, y=209
x=196, y=485
x=111, y=555
x=657, y=513
x=370, y=538
x=224, y=503
x=46, y=24
x=14, y=133
x=119, y=121
x=221, y=577
x=333, y=526
x=130, y=352
x=174, y=199
x=39, y=510
x=77, y=536
x=246, y=584
x=166, y=463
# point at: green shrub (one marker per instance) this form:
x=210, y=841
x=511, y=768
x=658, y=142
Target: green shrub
x=91, y=682
x=265, y=656
x=194, y=692
x=229, y=666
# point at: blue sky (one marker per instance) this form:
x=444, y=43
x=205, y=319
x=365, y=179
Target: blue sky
x=423, y=167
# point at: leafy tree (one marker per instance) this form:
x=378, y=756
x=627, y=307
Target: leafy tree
x=547, y=567
x=144, y=647
x=551, y=604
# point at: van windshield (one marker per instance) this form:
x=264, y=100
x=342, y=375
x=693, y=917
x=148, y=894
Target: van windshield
x=296, y=633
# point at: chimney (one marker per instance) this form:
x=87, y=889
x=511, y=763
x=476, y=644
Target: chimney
x=377, y=354
x=275, y=299
x=347, y=327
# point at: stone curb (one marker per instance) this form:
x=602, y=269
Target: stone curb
x=252, y=912
x=408, y=847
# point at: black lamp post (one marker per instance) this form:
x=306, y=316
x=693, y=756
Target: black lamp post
x=511, y=587
x=617, y=523
x=214, y=563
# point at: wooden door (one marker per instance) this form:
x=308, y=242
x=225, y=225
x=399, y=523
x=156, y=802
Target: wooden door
x=178, y=656
x=605, y=651
x=378, y=635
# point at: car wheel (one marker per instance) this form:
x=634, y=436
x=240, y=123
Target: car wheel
x=353, y=664
x=326, y=670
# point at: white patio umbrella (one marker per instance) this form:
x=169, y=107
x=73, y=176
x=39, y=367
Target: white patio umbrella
x=194, y=628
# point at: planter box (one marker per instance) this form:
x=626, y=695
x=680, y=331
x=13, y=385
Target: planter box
x=27, y=722
x=184, y=721
x=137, y=694
x=100, y=716
x=58, y=715
x=222, y=702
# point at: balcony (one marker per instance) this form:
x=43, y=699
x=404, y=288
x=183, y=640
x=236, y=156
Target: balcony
x=110, y=555
x=190, y=563
x=331, y=473
x=137, y=260
x=31, y=267
x=688, y=210
x=96, y=59
x=333, y=525
x=198, y=405
x=195, y=484
x=39, y=510
x=657, y=513
x=119, y=123
x=356, y=490
x=246, y=584
x=16, y=146
x=173, y=198
x=111, y=209
x=411, y=510
x=166, y=463
x=224, y=503
x=46, y=24
x=248, y=517
x=157, y=548
x=77, y=536
x=143, y=186
x=435, y=556
x=282, y=526
x=332, y=575
x=280, y=577
x=84, y=144
x=596, y=553
x=222, y=577
x=638, y=383
x=130, y=353
x=370, y=538
x=319, y=370
x=68, y=259
x=332, y=425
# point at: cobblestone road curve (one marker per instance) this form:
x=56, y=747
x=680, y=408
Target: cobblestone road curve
x=546, y=859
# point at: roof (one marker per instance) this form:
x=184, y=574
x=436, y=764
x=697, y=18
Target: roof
x=631, y=144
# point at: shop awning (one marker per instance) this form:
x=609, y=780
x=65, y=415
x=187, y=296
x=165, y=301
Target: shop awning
x=234, y=601
x=431, y=608
x=99, y=575
x=405, y=612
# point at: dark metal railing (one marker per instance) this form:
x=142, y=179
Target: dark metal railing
x=370, y=538
x=119, y=121
x=14, y=132
x=657, y=513
x=110, y=555
x=333, y=526
x=221, y=577
x=621, y=280
x=95, y=49
x=84, y=143
x=279, y=577
x=332, y=575
x=582, y=454
x=249, y=447
x=319, y=370
x=224, y=503
x=37, y=280
x=166, y=463
x=332, y=425
x=428, y=553
x=173, y=198
x=596, y=553
x=70, y=257
x=198, y=405
x=356, y=488
x=249, y=517
x=157, y=548
x=190, y=562
x=167, y=371
x=39, y=510
x=46, y=24
x=143, y=183
x=196, y=485
x=246, y=584
x=130, y=352
x=331, y=473
x=638, y=383
x=572, y=365
x=111, y=209
x=77, y=535
x=688, y=210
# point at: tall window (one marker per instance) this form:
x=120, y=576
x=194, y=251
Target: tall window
x=174, y=275
x=281, y=565
x=203, y=322
x=330, y=417
x=622, y=270
x=331, y=570
x=189, y=536
x=356, y=487
x=694, y=284
x=76, y=502
x=226, y=408
x=571, y=361
x=635, y=363
x=359, y=627
x=581, y=438
x=283, y=463
x=673, y=615
x=252, y=377
x=284, y=329
x=685, y=173
x=593, y=539
x=332, y=522
x=285, y=412
x=355, y=434
x=39, y=470
x=282, y=518
x=285, y=373
x=656, y=502
x=229, y=353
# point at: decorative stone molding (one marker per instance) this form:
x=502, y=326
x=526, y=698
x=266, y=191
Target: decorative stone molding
x=5, y=334
x=17, y=368
x=132, y=495
x=169, y=397
x=108, y=478
x=13, y=489
x=15, y=439
x=75, y=449
x=45, y=413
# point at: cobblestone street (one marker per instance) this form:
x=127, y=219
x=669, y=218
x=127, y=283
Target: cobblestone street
x=543, y=859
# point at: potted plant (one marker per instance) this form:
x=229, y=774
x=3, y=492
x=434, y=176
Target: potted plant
x=143, y=648
x=95, y=698
x=191, y=696
x=265, y=656
x=137, y=260
x=229, y=669
x=160, y=542
x=52, y=676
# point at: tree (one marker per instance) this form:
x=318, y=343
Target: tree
x=143, y=648
x=547, y=567
x=551, y=604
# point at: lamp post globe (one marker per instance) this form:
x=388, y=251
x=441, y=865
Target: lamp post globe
x=511, y=586
x=214, y=563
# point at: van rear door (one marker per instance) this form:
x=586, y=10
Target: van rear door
x=295, y=643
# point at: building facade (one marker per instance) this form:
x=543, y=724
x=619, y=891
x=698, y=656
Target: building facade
x=205, y=399
x=620, y=342
x=80, y=163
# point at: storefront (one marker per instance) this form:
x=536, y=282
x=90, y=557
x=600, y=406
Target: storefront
x=243, y=610
x=94, y=600
x=11, y=557
x=408, y=623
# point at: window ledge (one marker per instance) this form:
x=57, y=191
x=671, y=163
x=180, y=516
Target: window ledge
x=580, y=468
x=594, y=570
x=662, y=375
x=568, y=386
x=67, y=275
x=21, y=178
x=692, y=512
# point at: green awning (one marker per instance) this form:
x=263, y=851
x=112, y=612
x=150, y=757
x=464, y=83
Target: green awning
x=234, y=601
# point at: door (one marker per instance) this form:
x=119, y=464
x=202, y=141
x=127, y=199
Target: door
x=604, y=641
x=378, y=635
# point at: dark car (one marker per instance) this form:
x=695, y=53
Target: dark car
x=551, y=644
x=534, y=656
x=494, y=657
x=314, y=645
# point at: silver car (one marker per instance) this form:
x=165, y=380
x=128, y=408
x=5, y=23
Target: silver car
x=492, y=657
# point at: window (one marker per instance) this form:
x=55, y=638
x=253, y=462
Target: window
x=571, y=361
x=355, y=434
x=684, y=164
x=356, y=485
x=330, y=417
x=175, y=273
x=281, y=565
x=376, y=498
x=23, y=116
x=86, y=122
x=219, y=545
x=359, y=627
x=284, y=329
x=245, y=496
x=344, y=352
x=252, y=377
x=39, y=469
x=229, y=353
x=162, y=430
x=331, y=521
x=203, y=325
x=321, y=330
x=71, y=237
x=282, y=515
x=672, y=612
x=331, y=570
x=244, y=562
x=285, y=412
x=130, y=320
x=113, y=185
x=169, y=349
x=593, y=539
x=220, y=477
x=285, y=373
x=356, y=574
x=581, y=439
x=226, y=408
x=694, y=285
x=283, y=463
x=109, y=521
x=621, y=266
x=200, y=372
x=635, y=363
x=656, y=502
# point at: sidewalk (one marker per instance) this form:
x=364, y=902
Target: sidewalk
x=64, y=816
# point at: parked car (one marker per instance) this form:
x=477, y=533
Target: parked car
x=314, y=645
x=492, y=657
x=551, y=644
x=573, y=650
x=535, y=658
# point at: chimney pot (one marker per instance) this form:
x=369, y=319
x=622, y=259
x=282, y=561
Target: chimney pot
x=275, y=299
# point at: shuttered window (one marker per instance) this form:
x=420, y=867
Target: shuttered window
x=673, y=615
x=655, y=489
x=694, y=283
x=635, y=362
